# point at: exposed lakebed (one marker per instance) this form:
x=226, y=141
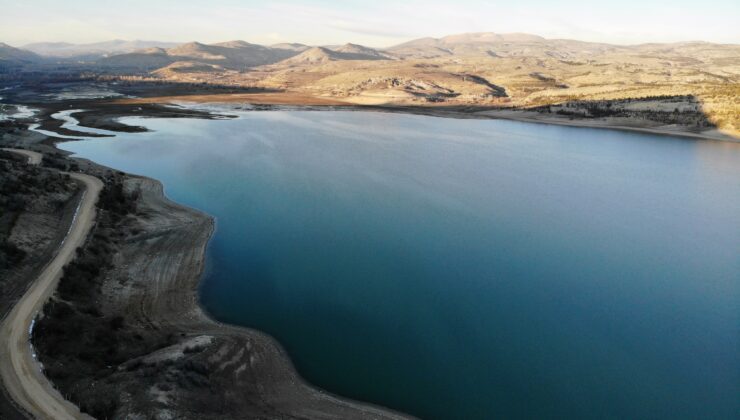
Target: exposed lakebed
x=467, y=268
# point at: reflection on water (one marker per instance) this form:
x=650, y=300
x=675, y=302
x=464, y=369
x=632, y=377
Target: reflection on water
x=466, y=268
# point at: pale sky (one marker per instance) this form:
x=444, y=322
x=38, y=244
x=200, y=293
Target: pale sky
x=377, y=23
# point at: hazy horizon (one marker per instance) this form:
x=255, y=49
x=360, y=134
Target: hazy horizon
x=380, y=24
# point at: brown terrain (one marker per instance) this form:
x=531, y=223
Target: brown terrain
x=691, y=87
x=651, y=84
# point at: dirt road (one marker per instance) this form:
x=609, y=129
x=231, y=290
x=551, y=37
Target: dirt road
x=20, y=371
x=34, y=158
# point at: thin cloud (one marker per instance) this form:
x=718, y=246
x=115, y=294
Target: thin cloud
x=370, y=23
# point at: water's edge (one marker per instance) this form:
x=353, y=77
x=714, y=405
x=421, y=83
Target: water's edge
x=209, y=324
x=196, y=282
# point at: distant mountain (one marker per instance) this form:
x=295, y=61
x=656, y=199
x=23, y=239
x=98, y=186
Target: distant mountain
x=196, y=50
x=236, y=55
x=362, y=52
x=497, y=45
x=147, y=59
x=16, y=57
x=315, y=55
x=94, y=50
x=181, y=67
x=319, y=55
x=485, y=68
x=293, y=46
x=491, y=37
x=233, y=55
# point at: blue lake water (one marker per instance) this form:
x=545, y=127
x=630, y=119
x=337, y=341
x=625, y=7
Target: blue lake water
x=468, y=269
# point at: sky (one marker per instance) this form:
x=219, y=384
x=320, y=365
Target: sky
x=378, y=23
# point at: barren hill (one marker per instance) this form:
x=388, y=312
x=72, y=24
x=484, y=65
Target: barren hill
x=496, y=45
x=293, y=46
x=322, y=55
x=486, y=69
x=97, y=49
x=14, y=57
x=232, y=55
x=361, y=51
x=144, y=60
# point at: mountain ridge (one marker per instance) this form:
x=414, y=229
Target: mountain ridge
x=473, y=69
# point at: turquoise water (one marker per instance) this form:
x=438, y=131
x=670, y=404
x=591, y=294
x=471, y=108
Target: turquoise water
x=468, y=269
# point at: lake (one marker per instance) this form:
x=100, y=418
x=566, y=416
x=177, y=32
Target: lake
x=468, y=269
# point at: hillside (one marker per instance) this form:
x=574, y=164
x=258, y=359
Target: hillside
x=93, y=50
x=292, y=46
x=11, y=57
x=526, y=71
x=323, y=55
x=362, y=52
x=143, y=60
x=497, y=45
x=232, y=55
x=476, y=69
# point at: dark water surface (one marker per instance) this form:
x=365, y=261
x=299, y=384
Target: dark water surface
x=468, y=269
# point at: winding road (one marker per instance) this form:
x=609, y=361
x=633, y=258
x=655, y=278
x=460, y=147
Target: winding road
x=34, y=158
x=20, y=371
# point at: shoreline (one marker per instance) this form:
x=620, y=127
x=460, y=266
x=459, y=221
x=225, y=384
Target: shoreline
x=455, y=111
x=537, y=118
x=586, y=123
x=169, y=300
x=173, y=302
x=182, y=310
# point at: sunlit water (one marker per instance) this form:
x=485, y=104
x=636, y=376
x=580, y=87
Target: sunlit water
x=468, y=268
